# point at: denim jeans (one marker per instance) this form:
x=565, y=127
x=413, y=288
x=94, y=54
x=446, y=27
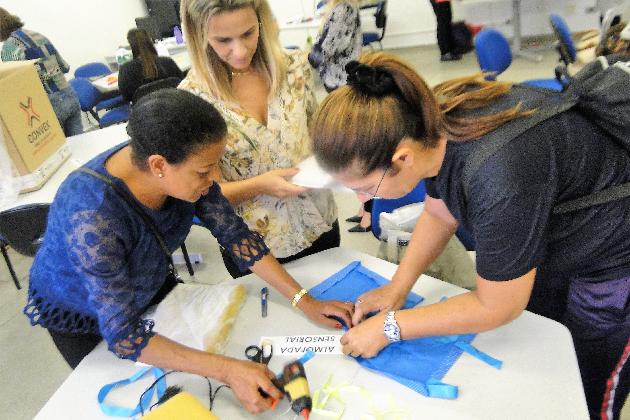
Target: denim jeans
x=66, y=105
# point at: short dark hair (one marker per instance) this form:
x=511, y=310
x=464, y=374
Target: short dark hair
x=174, y=124
x=8, y=24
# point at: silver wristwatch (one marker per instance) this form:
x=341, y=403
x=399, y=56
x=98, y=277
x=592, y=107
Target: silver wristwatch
x=391, y=328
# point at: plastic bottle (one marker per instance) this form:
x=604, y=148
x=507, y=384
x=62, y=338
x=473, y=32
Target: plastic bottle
x=123, y=55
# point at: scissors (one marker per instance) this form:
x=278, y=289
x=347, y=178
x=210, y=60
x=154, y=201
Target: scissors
x=259, y=354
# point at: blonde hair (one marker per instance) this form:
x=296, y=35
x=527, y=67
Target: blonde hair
x=207, y=67
x=365, y=124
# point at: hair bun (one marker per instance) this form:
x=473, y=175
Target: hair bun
x=370, y=80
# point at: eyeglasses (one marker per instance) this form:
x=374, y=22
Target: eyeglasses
x=375, y=195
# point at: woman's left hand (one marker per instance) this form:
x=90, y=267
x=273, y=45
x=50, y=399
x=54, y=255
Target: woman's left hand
x=321, y=311
x=366, y=339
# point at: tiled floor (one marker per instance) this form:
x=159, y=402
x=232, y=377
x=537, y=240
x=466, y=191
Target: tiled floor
x=30, y=367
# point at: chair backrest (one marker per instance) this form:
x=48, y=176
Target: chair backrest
x=380, y=16
x=493, y=51
x=23, y=227
x=566, y=46
x=169, y=82
x=92, y=70
x=380, y=205
x=87, y=93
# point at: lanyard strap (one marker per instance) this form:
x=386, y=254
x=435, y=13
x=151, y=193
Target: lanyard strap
x=143, y=405
x=135, y=207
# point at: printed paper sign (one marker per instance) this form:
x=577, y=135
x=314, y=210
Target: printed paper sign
x=297, y=345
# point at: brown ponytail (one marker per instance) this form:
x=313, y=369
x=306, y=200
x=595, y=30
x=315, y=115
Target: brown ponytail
x=386, y=101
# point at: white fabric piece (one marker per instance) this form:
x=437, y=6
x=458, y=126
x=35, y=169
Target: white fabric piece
x=312, y=175
x=199, y=316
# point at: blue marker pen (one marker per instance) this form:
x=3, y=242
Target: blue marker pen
x=264, y=294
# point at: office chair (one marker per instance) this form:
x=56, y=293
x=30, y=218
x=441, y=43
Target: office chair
x=380, y=19
x=22, y=228
x=89, y=98
x=564, y=44
x=96, y=70
x=169, y=82
x=495, y=56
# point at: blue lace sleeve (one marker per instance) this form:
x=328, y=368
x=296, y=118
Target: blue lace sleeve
x=218, y=215
x=98, y=251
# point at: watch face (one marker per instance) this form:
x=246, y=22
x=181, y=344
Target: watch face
x=391, y=329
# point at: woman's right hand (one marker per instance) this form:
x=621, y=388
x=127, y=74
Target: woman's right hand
x=247, y=379
x=389, y=297
x=276, y=183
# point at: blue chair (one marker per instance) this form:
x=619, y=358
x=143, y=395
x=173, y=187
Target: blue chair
x=565, y=45
x=117, y=115
x=95, y=70
x=495, y=56
x=92, y=70
x=380, y=19
x=89, y=97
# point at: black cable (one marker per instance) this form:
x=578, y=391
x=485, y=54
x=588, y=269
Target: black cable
x=173, y=390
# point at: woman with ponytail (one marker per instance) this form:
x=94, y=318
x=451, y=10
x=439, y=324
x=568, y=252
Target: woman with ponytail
x=387, y=130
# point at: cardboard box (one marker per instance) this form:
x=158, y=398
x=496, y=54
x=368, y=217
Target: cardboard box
x=29, y=127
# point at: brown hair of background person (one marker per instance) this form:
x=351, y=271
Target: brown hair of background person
x=8, y=24
x=268, y=59
x=613, y=43
x=143, y=49
x=419, y=112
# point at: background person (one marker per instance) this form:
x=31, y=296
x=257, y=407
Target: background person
x=266, y=96
x=338, y=42
x=446, y=43
x=146, y=66
x=23, y=44
x=91, y=279
x=386, y=130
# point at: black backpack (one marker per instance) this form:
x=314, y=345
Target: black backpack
x=600, y=91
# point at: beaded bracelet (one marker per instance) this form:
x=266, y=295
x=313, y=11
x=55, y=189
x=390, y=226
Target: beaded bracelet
x=298, y=296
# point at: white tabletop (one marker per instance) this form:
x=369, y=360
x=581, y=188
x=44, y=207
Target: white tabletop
x=539, y=379
x=83, y=148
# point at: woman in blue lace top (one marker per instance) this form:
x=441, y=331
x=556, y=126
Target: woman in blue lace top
x=100, y=266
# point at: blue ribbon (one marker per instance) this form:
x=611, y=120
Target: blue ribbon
x=143, y=405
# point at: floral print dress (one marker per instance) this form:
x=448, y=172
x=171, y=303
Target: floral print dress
x=288, y=225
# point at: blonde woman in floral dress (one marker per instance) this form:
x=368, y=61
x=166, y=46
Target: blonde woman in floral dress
x=266, y=96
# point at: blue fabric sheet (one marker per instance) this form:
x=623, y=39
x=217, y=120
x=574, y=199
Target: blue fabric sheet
x=419, y=364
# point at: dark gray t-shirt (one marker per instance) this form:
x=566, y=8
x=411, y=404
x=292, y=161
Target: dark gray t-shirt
x=514, y=191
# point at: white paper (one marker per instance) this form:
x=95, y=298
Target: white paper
x=312, y=175
x=297, y=345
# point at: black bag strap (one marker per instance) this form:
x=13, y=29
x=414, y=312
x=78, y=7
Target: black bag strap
x=136, y=207
x=495, y=140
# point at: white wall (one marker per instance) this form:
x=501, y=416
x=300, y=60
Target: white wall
x=82, y=30
x=89, y=30
x=412, y=22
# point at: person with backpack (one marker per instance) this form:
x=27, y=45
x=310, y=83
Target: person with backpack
x=540, y=179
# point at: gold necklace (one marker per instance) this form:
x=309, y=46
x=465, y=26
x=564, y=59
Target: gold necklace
x=240, y=73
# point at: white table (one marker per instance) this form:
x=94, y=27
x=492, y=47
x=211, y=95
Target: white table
x=83, y=147
x=539, y=378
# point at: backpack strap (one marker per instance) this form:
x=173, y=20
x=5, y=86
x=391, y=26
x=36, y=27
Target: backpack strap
x=495, y=140
x=604, y=196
